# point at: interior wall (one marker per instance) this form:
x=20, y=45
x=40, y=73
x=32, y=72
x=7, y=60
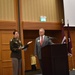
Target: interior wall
x=7, y=10
x=0, y=57
x=54, y=13
x=33, y=9
x=7, y=24
x=5, y=60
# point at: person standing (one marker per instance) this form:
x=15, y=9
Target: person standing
x=40, y=42
x=33, y=62
x=16, y=47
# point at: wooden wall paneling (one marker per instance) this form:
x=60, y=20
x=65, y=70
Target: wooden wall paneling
x=5, y=52
x=0, y=47
x=7, y=71
x=6, y=56
x=72, y=33
x=28, y=36
x=32, y=10
x=7, y=10
x=38, y=25
x=28, y=53
x=16, y=15
x=0, y=57
x=70, y=62
x=60, y=8
x=54, y=33
x=74, y=62
x=0, y=67
x=9, y=25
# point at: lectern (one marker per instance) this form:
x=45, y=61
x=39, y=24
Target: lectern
x=55, y=59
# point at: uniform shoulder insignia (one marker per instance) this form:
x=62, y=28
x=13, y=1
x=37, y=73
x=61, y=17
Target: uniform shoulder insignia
x=19, y=41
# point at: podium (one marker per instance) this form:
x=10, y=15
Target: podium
x=55, y=59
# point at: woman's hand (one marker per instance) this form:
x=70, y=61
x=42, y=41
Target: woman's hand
x=29, y=42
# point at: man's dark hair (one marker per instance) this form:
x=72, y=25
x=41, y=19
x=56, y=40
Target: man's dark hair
x=14, y=32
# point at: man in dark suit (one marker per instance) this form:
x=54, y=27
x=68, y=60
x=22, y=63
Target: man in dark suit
x=16, y=47
x=40, y=42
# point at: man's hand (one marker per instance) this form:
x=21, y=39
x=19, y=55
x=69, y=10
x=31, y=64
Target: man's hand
x=29, y=42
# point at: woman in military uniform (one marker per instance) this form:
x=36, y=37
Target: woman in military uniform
x=16, y=47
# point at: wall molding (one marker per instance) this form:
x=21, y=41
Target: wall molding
x=8, y=25
x=45, y=25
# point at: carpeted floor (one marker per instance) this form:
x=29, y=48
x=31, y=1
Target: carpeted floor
x=33, y=72
x=38, y=72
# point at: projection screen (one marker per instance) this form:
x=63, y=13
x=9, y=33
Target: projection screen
x=69, y=12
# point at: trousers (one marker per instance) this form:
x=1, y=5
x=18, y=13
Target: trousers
x=17, y=64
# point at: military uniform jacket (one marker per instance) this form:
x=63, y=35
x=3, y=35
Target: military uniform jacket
x=14, y=45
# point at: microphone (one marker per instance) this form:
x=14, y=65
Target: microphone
x=51, y=37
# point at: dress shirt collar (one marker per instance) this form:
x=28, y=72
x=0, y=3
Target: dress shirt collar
x=43, y=37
